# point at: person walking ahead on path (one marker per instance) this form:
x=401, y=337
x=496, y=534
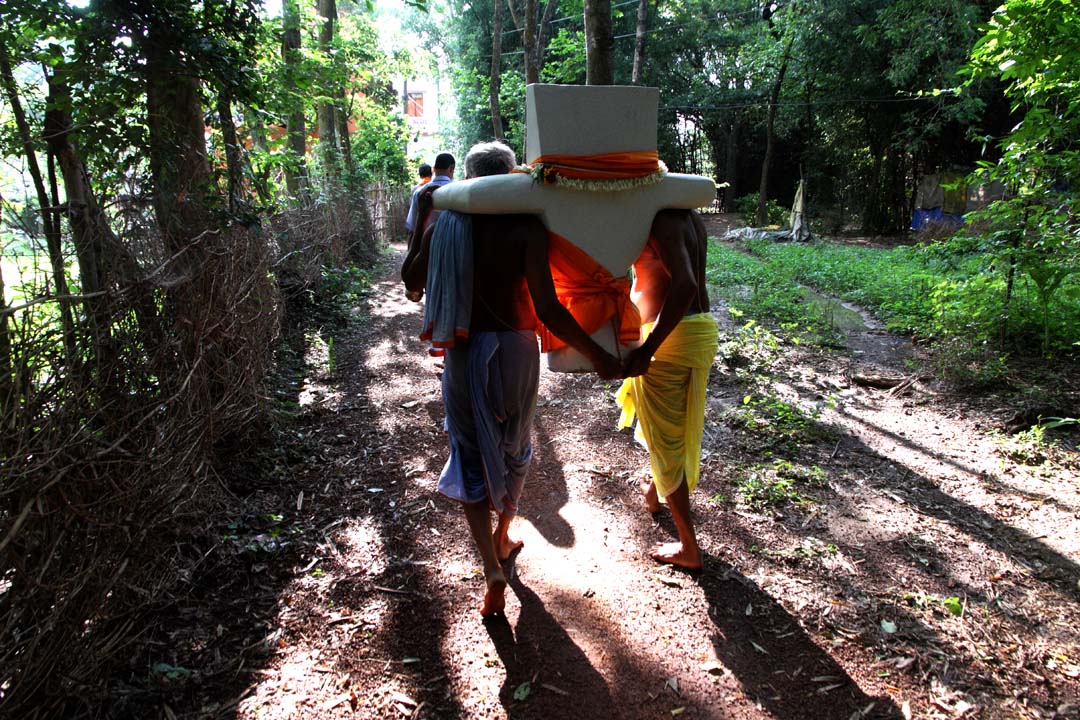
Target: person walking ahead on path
x=444, y=173
x=680, y=342
x=424, y=171
x=488, y=281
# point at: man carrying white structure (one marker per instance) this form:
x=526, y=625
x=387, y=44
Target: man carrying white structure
x=668, y=400
x=487, y=284
x=596, y=181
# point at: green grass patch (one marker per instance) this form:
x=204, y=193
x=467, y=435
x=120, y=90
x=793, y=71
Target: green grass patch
x=942, y=292
x=781, y=483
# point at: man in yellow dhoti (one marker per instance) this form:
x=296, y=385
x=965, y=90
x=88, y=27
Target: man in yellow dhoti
x=679, y=344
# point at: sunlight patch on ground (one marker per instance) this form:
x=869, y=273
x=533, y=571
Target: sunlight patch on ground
x=423, y=472
x=386, y=354
x=960, y=476
x=387, y=303
x=361, y=544
x=304, y=675
x=320, y=358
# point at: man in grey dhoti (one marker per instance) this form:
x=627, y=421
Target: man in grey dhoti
x=489, y=287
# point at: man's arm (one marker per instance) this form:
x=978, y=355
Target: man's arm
x=414, y=267
x=669, y=229
x=552, y=313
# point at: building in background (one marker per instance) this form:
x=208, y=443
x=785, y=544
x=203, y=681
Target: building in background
x=428, y=105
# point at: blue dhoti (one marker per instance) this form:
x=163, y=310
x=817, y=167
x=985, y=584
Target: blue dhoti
x=489, y=391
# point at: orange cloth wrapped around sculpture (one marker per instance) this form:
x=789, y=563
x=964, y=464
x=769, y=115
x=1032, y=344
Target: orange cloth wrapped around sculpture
x=590, y=292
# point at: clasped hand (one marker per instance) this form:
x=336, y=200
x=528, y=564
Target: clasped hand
x=636, y=362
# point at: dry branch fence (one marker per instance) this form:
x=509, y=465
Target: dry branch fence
x=107, y=456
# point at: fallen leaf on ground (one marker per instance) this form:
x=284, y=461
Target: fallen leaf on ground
x=713, y=667
x=522, y=691
x=402, y=698
x=673, y=683
x=335, y=701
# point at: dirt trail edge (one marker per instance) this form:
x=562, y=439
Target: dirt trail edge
x=909, y=572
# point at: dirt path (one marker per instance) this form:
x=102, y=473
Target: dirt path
x=836, y=605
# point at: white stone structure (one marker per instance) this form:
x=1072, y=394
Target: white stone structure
x=612, y=226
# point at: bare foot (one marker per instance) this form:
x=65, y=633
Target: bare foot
x=676, y=554
x=652, y=502
x=505, y=547
x=495, y=597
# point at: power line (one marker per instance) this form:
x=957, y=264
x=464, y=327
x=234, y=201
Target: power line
x=802, y=103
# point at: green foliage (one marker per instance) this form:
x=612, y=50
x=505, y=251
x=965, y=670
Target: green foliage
x=1033, y=47
x=779, y=484
x=747, y=205
x=953, y=605
x=1027, y=447
x=751, y=351
x=379, y=144
x=566, y=58
x=952, y=293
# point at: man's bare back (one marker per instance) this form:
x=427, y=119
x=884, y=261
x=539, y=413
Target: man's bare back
x=501, y=298
x=669, y=238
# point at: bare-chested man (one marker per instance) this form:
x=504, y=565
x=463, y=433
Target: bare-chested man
x=675, y=357
x=490, y=379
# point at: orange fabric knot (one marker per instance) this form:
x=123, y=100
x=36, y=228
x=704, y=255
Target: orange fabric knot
x=589, y=292
x=629, y=165
x=603, y=166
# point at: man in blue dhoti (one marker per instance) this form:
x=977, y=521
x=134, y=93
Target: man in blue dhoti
x=488, y=285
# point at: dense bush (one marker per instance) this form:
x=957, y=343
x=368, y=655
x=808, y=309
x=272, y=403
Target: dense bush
x=746, y=206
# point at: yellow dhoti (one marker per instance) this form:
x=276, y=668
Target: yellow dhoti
x=669, y=402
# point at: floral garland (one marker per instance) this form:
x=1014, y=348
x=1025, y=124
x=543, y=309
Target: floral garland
x=543, y=174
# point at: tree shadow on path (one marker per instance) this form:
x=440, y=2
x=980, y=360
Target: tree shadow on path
x=779, y=666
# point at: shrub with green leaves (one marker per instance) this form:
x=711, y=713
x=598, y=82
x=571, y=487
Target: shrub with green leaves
x=747, y=205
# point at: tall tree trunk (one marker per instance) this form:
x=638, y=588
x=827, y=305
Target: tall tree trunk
x=234, y=169
x=533, y=36
x=257, y=131
x=495, y=84
x=7, y=377
x=181, y=179
x=770, y=137
x=344, y=139
x=296, y=180
x=599, y=43
x=544, y=33
x=178, y=160
x=83, y=213
x=102, y=258
x=639, y=41
x=329, y=151
x=532, y=72
x=731, y=162
x=48, y=215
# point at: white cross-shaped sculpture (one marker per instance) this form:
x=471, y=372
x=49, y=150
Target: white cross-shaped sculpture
x=612, y=226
